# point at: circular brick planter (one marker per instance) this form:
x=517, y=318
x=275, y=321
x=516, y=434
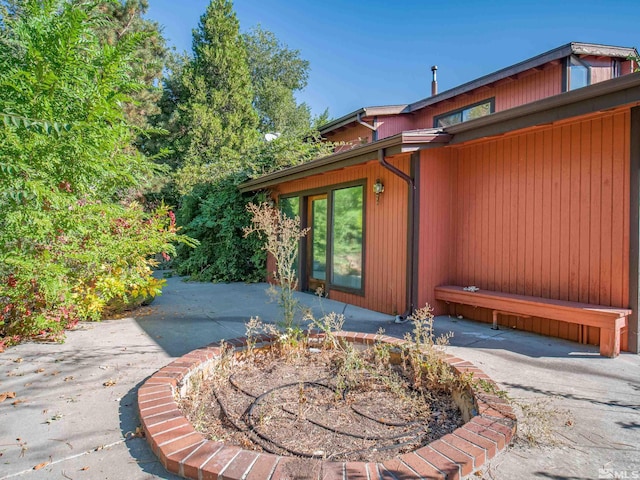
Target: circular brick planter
x=489, y=429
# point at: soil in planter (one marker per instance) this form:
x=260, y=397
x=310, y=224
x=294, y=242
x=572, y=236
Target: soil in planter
x=304, y=404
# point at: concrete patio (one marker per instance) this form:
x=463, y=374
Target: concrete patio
x=74, y=409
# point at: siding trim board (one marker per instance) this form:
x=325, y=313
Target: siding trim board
x=634, y=231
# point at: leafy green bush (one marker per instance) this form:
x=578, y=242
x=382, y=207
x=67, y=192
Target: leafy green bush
x=100, y=261
x=71, y=246
x=216, y=214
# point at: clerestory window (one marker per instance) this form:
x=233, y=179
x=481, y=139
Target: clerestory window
x=469, y=112
x=578, y=73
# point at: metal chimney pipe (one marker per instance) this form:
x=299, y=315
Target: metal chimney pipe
x=434, y=82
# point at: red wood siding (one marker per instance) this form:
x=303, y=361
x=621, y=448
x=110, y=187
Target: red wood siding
x=528, y=87
x=627, y=67
x=351, y=137
x=435, y=226
x=601, y=68
x=393, y=124
x=543, y=213
x=385, y=233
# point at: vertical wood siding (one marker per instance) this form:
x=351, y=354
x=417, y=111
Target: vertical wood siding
x=352, y=137
x=601, y=68
x=435, y=226
x=393, y=124
x=528, y=87
x=385, y=233
x=544, y=213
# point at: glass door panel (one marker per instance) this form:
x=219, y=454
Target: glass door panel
x=346, y=238
x=317, y=239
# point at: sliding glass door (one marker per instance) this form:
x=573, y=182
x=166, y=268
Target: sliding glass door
x=332, y=254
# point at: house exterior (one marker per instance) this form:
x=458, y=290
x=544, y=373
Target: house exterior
x=524, y=181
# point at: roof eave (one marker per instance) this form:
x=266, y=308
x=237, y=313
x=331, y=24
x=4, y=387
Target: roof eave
x=340, y=122
x=404, y=142
x=537, y=61
x=364, y=112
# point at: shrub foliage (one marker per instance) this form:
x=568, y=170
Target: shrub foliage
x=73, y=243
x=215, y=214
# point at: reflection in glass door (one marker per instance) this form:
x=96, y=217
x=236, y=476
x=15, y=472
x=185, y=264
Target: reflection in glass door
x=317, y=246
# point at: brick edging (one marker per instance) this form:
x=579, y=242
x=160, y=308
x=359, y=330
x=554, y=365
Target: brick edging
x=185, y=452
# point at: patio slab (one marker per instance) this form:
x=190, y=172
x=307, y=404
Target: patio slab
x=76, y=401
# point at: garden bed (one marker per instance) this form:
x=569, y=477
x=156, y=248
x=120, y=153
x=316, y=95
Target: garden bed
x=230, y=453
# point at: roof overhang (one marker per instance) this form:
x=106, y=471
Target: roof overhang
x=574, y=48
x=366, y=112
x=404, y=142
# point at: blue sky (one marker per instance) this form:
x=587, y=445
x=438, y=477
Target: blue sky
x=379, y=52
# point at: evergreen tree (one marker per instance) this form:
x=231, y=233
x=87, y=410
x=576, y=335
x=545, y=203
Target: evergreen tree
x=125, y=18
x=222, y=122
x=216, y=107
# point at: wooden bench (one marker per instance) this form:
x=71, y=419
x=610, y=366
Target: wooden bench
x=610, y=320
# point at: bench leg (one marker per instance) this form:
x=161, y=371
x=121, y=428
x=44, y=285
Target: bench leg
x=609, y=342
x=495, y=320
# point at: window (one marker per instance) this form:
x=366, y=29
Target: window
x=290, y=206
x=331, y=256
x=346, y=237
x=579, y=73
x=476, y=110
x=318, y=235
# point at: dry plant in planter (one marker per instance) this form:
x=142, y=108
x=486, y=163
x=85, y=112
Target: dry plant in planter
x=282, y=235
x=310, y=394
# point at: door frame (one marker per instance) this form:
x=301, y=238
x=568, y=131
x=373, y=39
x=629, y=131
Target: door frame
x=303, y=251
x=312, y=283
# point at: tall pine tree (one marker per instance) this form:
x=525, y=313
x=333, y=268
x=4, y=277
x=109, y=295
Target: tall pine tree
x=217, y=106
x=222, y=122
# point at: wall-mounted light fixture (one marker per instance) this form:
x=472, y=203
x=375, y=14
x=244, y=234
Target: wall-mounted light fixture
x=378, y=188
